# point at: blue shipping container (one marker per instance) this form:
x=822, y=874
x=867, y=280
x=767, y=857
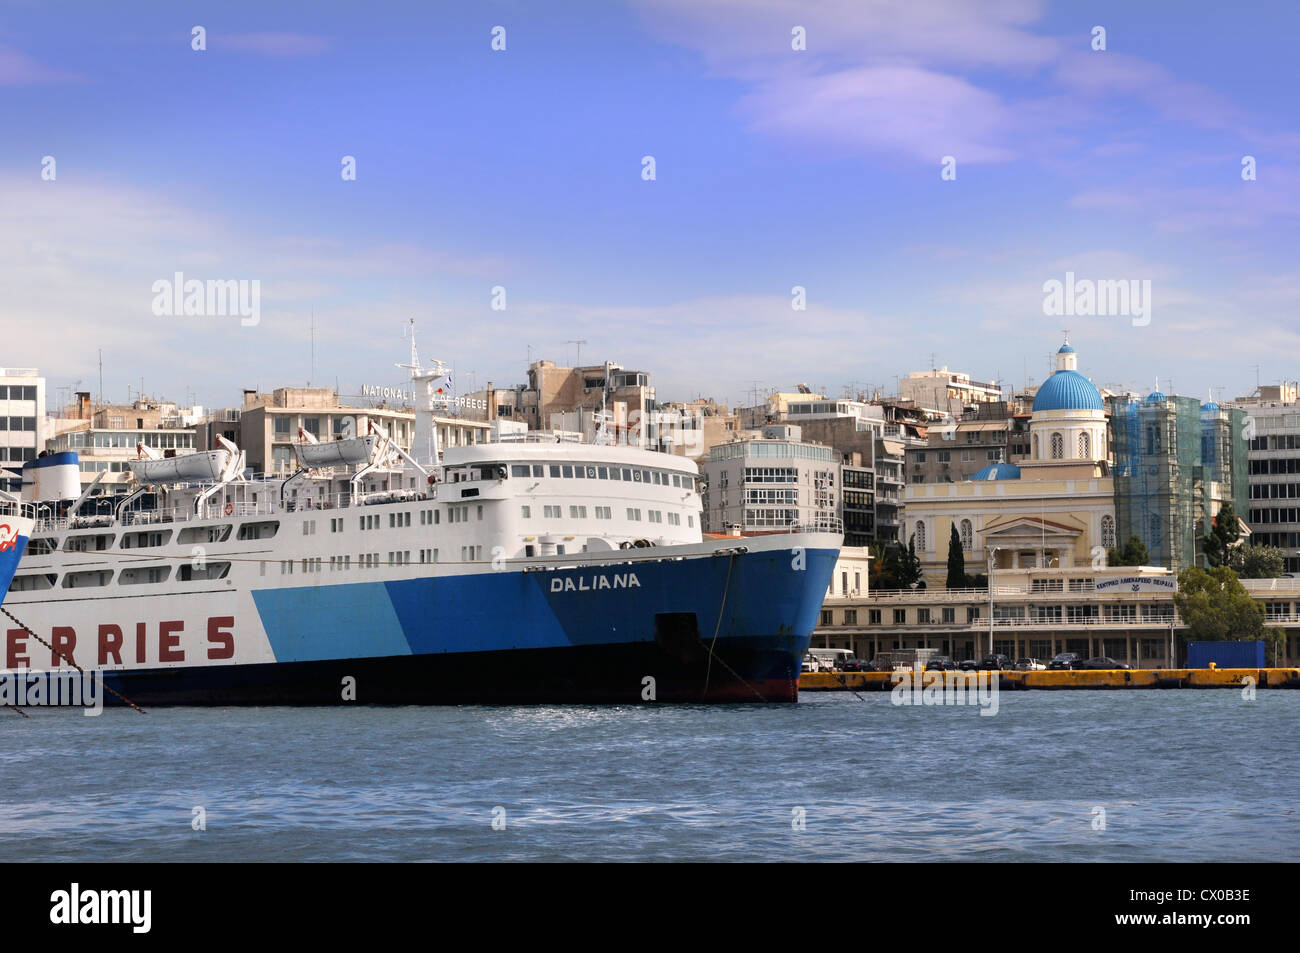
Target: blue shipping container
x=1225, y=654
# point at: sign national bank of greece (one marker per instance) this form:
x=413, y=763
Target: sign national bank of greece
x=406, y=395
x=388, y=393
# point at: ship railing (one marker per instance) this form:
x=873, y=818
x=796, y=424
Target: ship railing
x=819, y=524
x=154, y=517
x=387, y=496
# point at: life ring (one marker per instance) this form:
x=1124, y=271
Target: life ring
x=230, y=508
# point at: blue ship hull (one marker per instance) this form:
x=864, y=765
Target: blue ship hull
x=731, y=627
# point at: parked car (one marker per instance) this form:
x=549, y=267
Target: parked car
x=994, y=663
x=941, y=663
x=1099, y=663
x=968, y=665
x=1030, y=665
x=1065, y=660
x=857, y=665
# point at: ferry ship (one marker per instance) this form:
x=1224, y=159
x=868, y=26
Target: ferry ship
x=530, y=569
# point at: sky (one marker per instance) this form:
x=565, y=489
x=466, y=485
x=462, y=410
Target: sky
x=523, y=169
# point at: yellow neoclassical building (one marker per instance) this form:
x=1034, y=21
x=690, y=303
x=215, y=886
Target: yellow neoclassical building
x=1048, y=511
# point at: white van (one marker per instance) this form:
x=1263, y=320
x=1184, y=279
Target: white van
x=828, y=659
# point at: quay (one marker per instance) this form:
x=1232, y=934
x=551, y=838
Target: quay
x=1070, y=679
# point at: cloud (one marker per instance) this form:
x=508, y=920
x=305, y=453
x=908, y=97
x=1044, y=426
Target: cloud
x=19, y=69
x=78, y=261
x=980, y=81
x=900, y=109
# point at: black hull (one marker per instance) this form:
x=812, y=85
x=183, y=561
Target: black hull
x=611, y=674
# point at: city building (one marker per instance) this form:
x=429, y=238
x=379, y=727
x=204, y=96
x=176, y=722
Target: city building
x=955, y=451
x=569, y=399
x=269, y=425
x=22, y=421
x=943, y=391
x=1176, y=462
x=1048, y=511
x=770, y=483
x=692, y=428
x=1272, y=429
x=107, y=437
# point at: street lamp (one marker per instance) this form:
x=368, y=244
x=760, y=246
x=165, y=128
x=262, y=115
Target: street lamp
x=992, y=567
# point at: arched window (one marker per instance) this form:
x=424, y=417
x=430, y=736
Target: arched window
x=1108, y=531
x=967, y=536
x=920, y=535
x=1058, y=446
x=1085, y=446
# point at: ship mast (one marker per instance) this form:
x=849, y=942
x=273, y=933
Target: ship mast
x=424, y=445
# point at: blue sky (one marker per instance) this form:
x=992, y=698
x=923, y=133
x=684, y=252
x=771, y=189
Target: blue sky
x=775, y=168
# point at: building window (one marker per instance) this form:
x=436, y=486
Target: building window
x=949, y=615
x=873, y=617
x=1085, y=446
x=923, y=616
x=1108, y=531
x=850, y=616
x=1058, y=446
x=967, y=536
x=920, y=535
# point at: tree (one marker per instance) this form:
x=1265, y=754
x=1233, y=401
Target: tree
x=1261, y=562
x=1216, y=607
x=1134, y=553
x=956, y=561
x=886, y=563
x=1220, y=544
x=910, y=567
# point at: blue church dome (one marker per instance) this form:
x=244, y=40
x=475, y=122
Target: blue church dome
x=998, y=471
x=1155, y=397
x=1210, y=406
x=1066, y=349
x=1068, y=390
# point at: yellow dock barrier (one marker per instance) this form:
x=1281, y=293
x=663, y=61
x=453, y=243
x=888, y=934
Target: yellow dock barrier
x=1072, y=679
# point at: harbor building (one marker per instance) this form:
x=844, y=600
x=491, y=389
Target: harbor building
x=1125, y=613
x=770, y=483
x=1049, y=510
x=22, y=421
x=1272, y=431
x=1177, y=461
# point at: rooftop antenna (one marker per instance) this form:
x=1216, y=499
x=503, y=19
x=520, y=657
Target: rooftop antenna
x=578, y=362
